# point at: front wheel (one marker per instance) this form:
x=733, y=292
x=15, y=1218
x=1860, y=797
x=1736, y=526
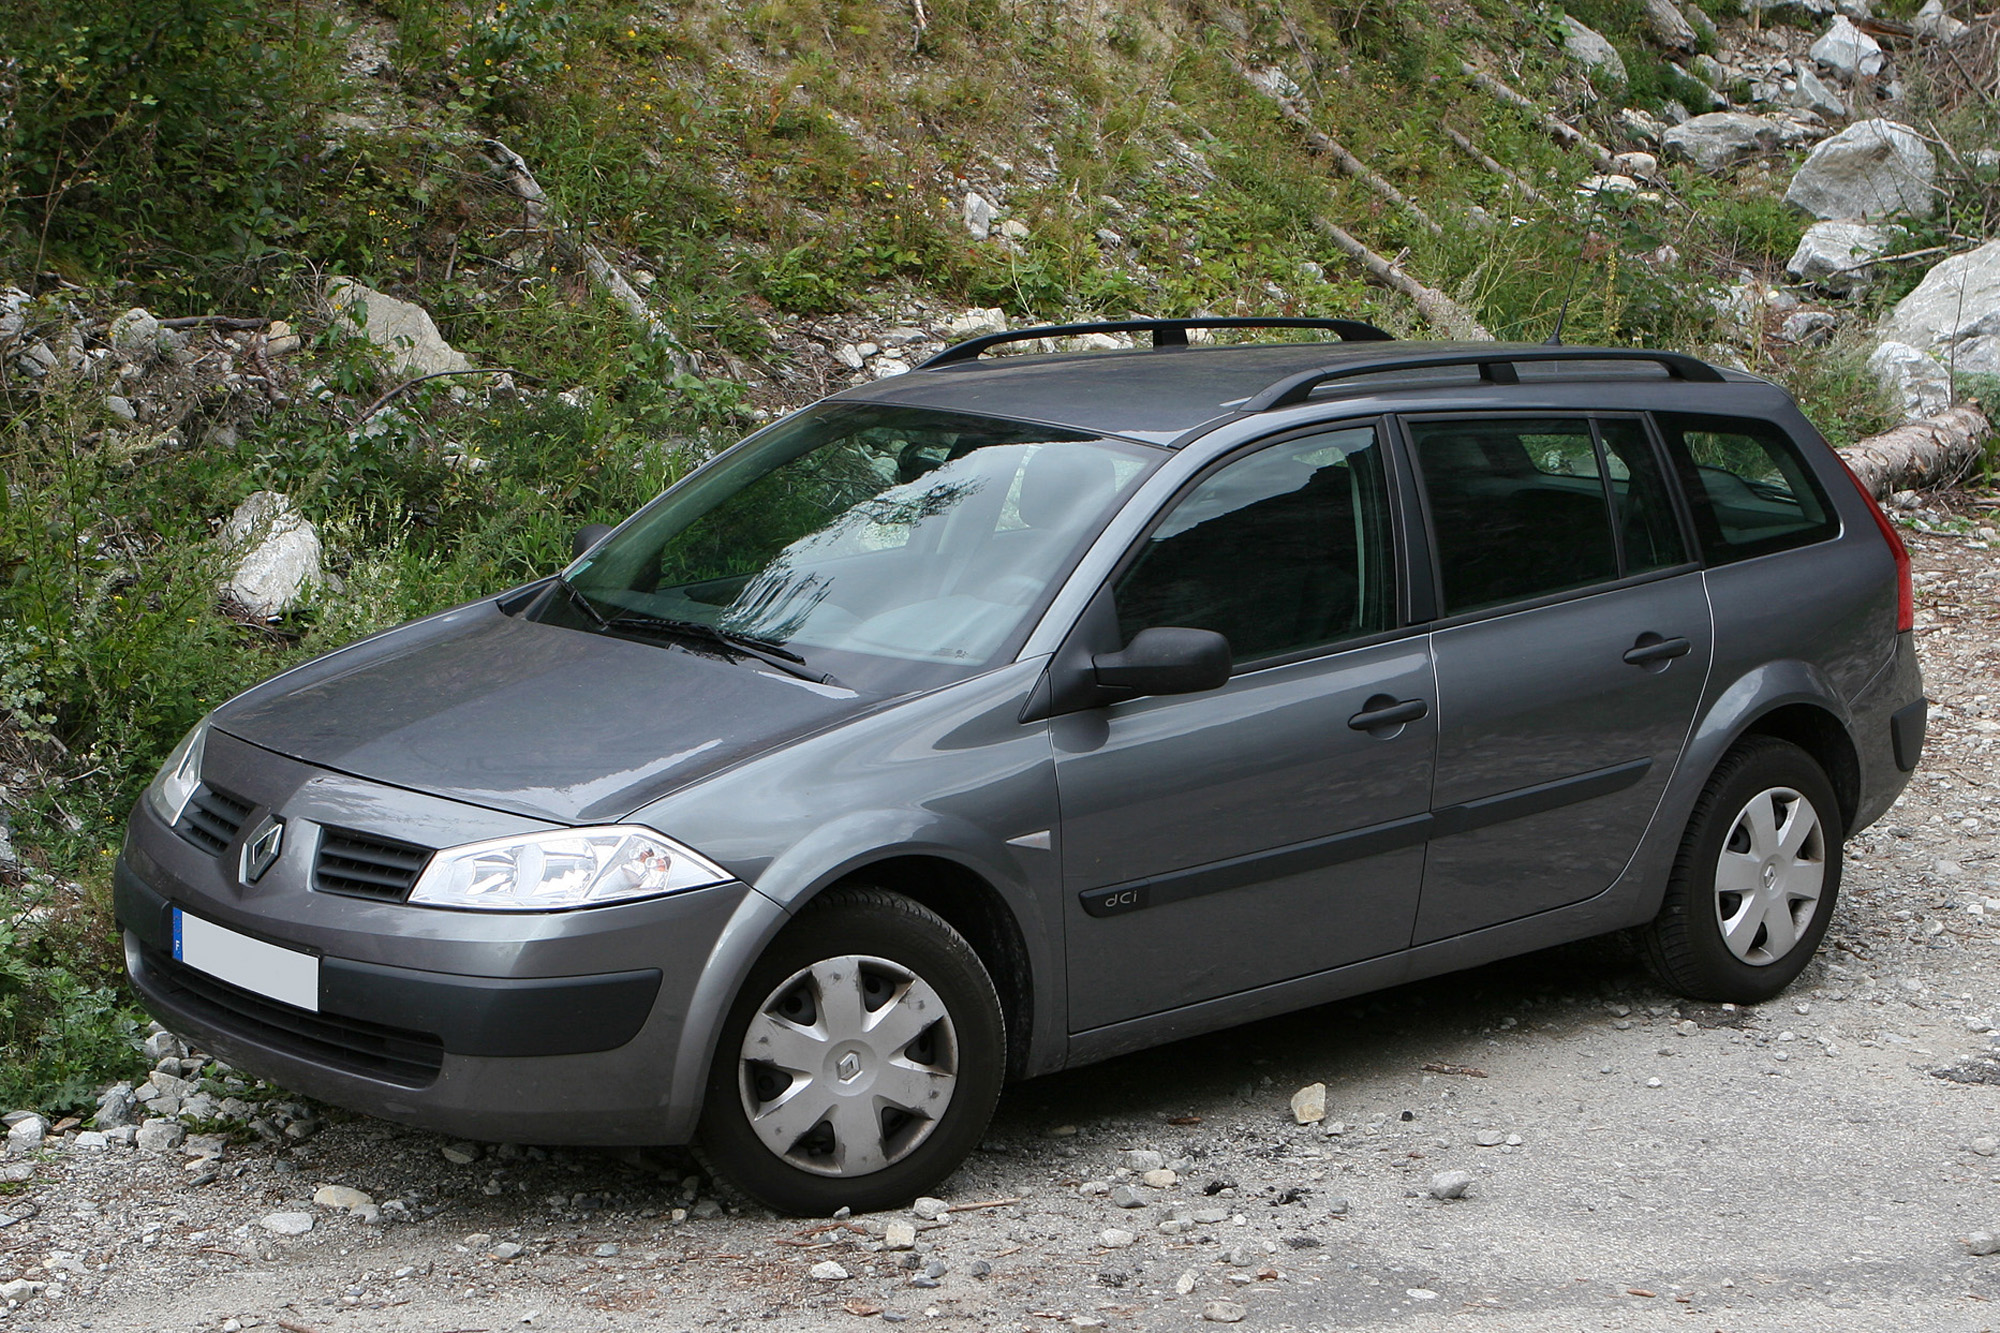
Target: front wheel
x=1754, y=885
x=860, y=1063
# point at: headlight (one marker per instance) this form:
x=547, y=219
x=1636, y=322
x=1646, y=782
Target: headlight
x=572, y=868
x=179, y=776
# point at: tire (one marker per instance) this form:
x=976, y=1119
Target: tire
x=1756, y=879
x=860, y=1063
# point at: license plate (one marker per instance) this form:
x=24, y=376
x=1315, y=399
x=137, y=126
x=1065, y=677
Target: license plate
x=282, y=974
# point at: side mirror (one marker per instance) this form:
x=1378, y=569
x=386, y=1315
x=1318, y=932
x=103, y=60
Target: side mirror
x=1167, y=659
x=587, y=536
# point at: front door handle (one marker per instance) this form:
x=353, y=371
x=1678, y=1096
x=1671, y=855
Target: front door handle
x=1652, y=648
x=1383, y=711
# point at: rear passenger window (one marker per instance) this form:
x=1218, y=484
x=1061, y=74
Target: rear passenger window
x=1528, y=508
x=1750, y=490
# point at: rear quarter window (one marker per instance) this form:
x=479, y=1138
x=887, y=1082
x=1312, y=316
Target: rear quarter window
x=1748, y=486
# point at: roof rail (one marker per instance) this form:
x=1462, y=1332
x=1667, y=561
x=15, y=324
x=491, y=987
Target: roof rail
x=1495, y=367
x=1166, y=333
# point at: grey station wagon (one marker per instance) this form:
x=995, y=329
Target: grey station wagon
x=1021, y=711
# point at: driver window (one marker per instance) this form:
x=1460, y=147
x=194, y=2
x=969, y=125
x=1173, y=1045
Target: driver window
x=1280, y=551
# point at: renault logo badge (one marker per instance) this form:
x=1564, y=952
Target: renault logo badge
x=260, y=853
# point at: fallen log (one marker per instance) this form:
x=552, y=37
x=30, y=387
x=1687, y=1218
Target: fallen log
x=1936, y=451
x=1326, y=146
x=1564, y=132
x=511, y=167
x=1519, y=182
x=1439, y=311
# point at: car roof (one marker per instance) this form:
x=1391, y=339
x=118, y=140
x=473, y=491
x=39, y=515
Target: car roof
x=1162, y=394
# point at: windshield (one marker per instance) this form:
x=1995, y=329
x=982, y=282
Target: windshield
x=891, y=547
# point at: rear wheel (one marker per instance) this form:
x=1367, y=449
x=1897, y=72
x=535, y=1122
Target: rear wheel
x=861, y=1061
x=1756, y=879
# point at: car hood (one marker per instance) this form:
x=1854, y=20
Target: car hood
x=536, y=719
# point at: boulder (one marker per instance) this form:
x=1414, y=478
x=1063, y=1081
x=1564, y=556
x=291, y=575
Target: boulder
x=1667, y=25
x=403, y=332
x=1957, y=302
x=1921, y=384
x=1835, y=255
x=1814, y=94
x=1720, y=139
x=136, y=332
x=1873, y=168
x=1590, y=48
x=1932, y=23
x=978, y=216
x=277, y=553
x=1846, y=50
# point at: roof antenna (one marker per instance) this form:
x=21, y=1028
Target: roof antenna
x=1556, y=339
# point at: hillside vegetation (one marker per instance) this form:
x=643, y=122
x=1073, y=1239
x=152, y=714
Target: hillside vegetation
x=666, y=222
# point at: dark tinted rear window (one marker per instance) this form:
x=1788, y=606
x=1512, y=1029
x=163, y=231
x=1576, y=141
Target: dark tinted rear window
x=1750, y=489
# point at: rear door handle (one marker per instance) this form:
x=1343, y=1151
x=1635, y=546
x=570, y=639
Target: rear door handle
x=1652, y=648
x=1382, y=711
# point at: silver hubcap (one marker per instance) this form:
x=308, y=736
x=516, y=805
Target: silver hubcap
x=848, y=1065
x=1769, y=876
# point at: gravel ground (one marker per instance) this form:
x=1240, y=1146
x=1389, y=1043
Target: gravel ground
x=1630, y=1161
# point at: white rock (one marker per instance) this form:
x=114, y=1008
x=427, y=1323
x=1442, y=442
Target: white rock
x=508, y=1250
x=91, y=1140
x=887, y=366
x=1594, y=185
x=1590, y=48
x=1309, y=1104
x=1958, y=301
x=406, y=337
x=1162, y=1179
x=1932, y=22
x=1636, y=164
x=1809, y=328
x=136, y=332
x=899, y=1235
x=826, y=1270
x=1982, y=1243
x=1450, y=1184
x=1835, y=255
x=1115, y=1238
x=277, y=555
x=848, y=355
x=1014, y=229
x=341, y=1197
x=930, y=1209
x=20, y=1289
x=1223, y=1312
x=1669, y=26
x=1848, y=51
x=159, y=1136
x=287, y=1224
x=27, y=1133
x=978, y=215
x=1720, y=139
x=1142, y=1160
x=1922, y=384
x=1873, y=168
x=977, y=321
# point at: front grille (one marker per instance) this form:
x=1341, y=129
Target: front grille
x=212, y=818
x=366, y=867
x=393, y=1055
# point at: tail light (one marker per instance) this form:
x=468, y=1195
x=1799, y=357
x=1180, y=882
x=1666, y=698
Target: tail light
x=1906, y=598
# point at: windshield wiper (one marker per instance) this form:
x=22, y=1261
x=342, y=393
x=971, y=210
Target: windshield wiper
x=582, y=603
x=749, y=645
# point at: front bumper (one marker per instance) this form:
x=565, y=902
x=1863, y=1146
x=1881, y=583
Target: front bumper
x=564, y=1027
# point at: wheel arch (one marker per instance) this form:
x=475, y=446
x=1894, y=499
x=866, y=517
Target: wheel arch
x=1821, y=734
x=977, y=910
